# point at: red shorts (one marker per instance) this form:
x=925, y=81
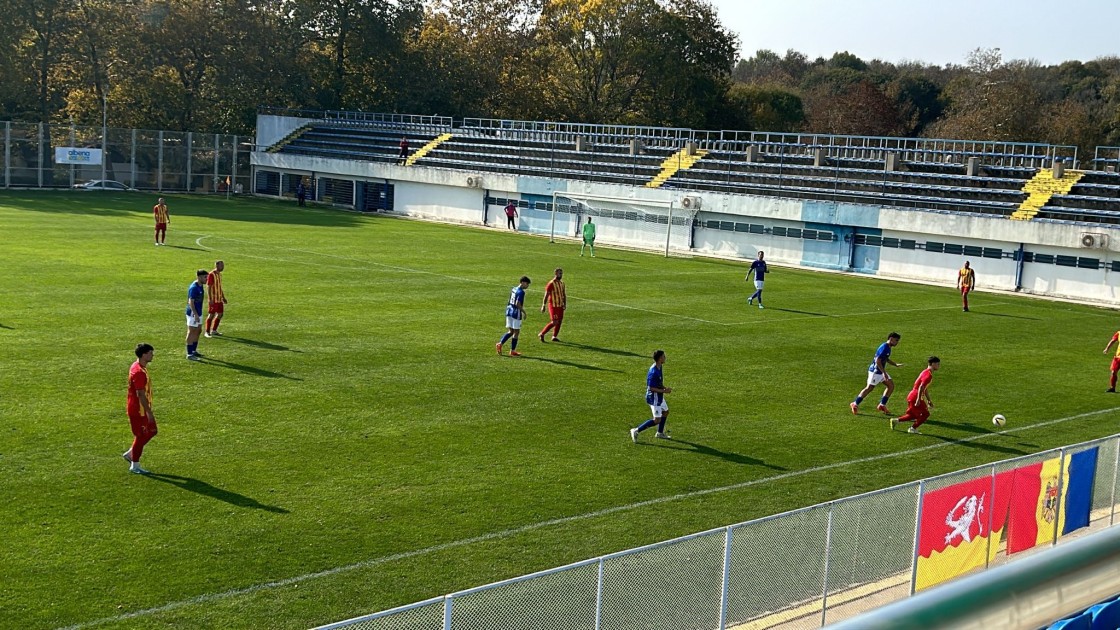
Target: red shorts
x=141, y=425
x=1115, y=364
x=216, y=307
x=555, y=313
x=916, y=408
x=161, y=226
x=965, y=290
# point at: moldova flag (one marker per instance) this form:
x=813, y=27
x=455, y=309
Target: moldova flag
x=956, y=526
x=1051, y=498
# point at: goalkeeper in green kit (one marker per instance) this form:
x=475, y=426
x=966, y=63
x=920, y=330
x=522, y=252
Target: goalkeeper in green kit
x=588, y=237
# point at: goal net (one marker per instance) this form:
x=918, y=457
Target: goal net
x=639, y=223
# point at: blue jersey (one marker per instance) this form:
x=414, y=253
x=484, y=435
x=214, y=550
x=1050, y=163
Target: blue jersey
x=194, y=296
x=515, y=306
x=884, y=354
x=759, y=269
x=654, y=379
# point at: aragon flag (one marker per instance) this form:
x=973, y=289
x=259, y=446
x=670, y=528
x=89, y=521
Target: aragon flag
x=954, y=534
x=1050, y=498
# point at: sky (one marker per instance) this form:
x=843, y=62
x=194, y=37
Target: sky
x=938, y=32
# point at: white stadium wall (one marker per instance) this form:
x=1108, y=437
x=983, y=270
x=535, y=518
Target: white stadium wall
x=904, y=244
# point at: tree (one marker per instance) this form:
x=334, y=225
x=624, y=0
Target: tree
x=763, y=108
x=861, y=109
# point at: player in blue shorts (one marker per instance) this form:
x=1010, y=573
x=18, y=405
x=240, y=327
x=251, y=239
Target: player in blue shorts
x=759, y=269
x=877, y=373
x=515, y=313
x=655, y=398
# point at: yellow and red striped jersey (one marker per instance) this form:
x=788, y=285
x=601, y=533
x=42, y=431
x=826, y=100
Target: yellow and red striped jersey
x=554, y=293
x=214, y=287
x=967, y=276
x=1116, y=338
x=160, y=212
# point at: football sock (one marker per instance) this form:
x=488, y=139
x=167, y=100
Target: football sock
x=661, y=426
x=645, y=425
x=207, y=324
x=859, y=399
x=513, y=344
x=1112, y=381
x=505, y=338
x=556, y=329
x=217, y=320
x=883, y=400
x=191, y=348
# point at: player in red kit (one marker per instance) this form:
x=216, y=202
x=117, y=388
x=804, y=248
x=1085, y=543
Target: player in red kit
x=917, y=401
x=556, y=299
x=1115, y=362
x=217, y=302
x=139, y=406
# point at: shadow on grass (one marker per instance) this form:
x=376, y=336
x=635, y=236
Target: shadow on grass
x=264, y=345
x=7, y=327
x=1033, y=319
x=201, y=487
x=190, y=249
x=972, y=444
x=619, y=353
x=790, y=310
x=971, y=428
x=581, y=366
x=247, y=369
x=701, y=449
x=140, y=204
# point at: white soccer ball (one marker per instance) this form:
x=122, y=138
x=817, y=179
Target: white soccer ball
x=999, y=420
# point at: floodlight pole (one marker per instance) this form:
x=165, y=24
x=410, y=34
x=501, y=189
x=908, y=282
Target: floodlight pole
x=669, y=230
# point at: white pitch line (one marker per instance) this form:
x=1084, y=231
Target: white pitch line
x=864, y=314
x=210, y=597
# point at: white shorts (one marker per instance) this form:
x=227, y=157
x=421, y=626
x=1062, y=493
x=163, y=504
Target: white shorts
x=758, y=284
x=874, y=378
x=513, y=323
x=659, y=409
x=194, y=321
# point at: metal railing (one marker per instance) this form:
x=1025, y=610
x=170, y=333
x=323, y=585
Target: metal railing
x=806, y=568
x=140, y=158
x=330, y=115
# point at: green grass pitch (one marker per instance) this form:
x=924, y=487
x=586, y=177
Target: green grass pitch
x=353, y=442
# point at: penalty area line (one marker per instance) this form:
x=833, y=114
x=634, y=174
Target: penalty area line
x=372, y=562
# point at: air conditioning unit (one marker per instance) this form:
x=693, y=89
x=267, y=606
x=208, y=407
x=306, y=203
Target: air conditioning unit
x=1094, y=240
x=474, y=181
x=692, y=203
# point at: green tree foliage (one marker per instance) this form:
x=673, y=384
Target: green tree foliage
x=208, y=65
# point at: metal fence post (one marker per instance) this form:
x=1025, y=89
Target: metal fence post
x=669, y=230
x=7, y=154
x=190, y=150
x=726, y=579
x=232, y=167
x=599, y=598
x=1112, y=503
x=132, y=161
x=827, y=557
x=917, y=537
x=159, y=163
x=40, y=155
x=447, y=603
x=71, y=169
x=1061, y=504
x=991, y=517
x=217, y=158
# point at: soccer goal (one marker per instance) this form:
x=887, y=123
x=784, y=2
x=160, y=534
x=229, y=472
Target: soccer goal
x=640, y=223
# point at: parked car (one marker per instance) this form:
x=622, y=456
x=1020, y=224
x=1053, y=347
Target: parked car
x=103, y=184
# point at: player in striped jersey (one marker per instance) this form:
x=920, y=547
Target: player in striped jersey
x=556, y=299
x=159, y=211
x=1115, y=367
x=217, y=299
x=966, y=280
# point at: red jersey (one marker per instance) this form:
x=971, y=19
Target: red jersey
x=511, y=210
x=1115, y=339
x=924, y=380
x=160, y=212
x=137, y=380
x=554, y=294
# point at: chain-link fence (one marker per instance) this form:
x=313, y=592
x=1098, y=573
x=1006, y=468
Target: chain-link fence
x=138, y=158
x=805, y=568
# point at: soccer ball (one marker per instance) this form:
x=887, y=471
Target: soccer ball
x=999, y=420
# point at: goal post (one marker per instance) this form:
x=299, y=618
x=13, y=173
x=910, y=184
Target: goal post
x=641, y=223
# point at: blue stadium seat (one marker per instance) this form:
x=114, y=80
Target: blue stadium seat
x=1083, y=621
x=1106, y=616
